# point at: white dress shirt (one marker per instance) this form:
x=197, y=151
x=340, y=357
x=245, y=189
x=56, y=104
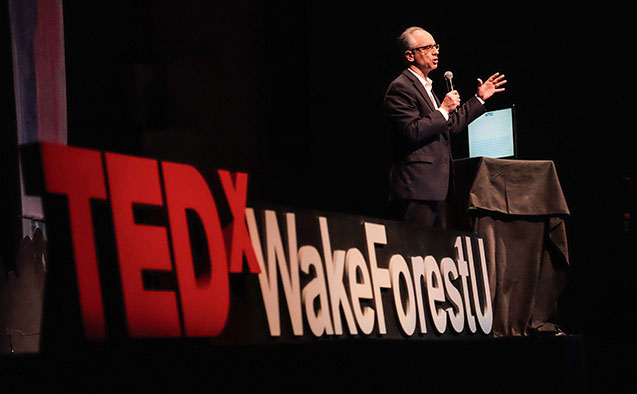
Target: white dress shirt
x=428, y=86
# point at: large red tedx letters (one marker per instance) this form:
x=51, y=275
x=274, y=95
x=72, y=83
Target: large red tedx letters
x=140, y=247
x=63, y=175
x=236, y=233
x=204, y=301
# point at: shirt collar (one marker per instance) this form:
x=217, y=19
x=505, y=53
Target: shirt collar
x=426, y=82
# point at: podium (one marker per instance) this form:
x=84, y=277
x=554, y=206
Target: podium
x=518, y=208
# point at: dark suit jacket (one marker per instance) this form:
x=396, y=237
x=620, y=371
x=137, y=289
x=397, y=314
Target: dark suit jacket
x=422, y=160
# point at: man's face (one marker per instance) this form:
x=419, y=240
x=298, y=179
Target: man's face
x=424, y=59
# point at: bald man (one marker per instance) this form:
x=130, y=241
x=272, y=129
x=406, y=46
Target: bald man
x=422, y=127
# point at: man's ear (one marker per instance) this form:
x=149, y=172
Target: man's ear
x=409, y=56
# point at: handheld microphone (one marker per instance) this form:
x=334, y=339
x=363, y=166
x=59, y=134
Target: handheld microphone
x=448, y=80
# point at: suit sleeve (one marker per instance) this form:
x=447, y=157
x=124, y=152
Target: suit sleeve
x=467, y=113
x=414, y=128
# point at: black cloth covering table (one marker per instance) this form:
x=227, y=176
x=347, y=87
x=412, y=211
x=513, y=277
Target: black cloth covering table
x=518, y=208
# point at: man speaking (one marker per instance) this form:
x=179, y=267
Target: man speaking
x=422, y=127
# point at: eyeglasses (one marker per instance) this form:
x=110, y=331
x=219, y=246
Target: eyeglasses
x=426, y=48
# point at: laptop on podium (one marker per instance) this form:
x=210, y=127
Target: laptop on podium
x=493, y=135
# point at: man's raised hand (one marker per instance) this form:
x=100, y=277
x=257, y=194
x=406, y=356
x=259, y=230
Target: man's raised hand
x=491, y=86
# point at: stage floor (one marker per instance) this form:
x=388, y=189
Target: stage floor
x=567, y=364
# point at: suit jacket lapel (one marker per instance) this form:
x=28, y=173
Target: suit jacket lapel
x=435, y=97
x=425, y=96
x=420, y=88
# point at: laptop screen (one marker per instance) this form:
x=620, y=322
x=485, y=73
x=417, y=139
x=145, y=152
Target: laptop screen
x=492, y=135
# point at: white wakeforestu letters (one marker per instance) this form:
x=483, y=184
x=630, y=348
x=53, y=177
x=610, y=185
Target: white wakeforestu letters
x=351, y=286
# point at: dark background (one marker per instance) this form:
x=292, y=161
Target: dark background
x=291, y=92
